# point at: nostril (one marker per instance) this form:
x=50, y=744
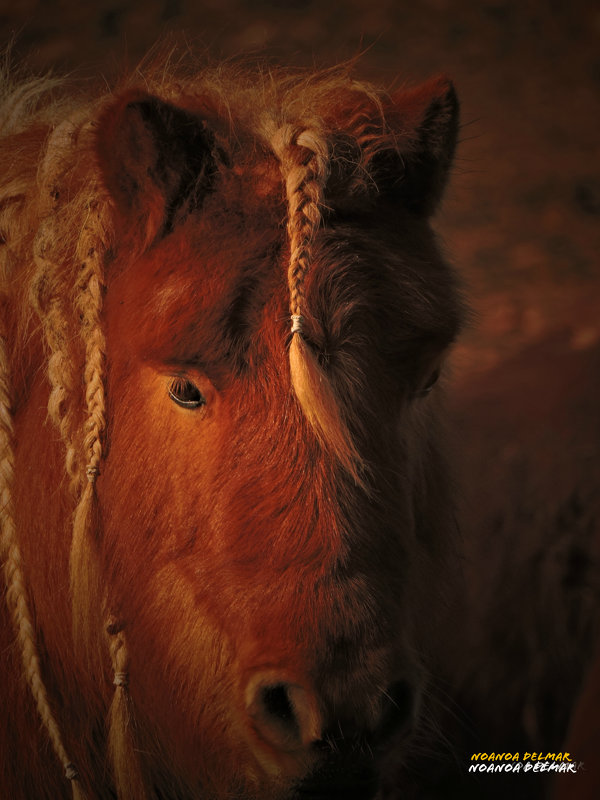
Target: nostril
x=398, y=710
x=284, y=714
x=277, y=704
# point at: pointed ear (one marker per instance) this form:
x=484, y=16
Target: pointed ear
x=157, y=162
x=425, y=125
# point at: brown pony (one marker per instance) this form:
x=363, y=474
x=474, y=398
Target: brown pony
x=224, y=506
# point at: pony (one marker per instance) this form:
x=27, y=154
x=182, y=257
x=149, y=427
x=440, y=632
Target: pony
x=225, y=501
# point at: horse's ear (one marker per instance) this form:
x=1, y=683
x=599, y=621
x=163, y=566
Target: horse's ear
x=156, y=160
x=424, y=121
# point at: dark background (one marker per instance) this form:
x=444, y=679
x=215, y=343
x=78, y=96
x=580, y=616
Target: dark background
x=521, y=221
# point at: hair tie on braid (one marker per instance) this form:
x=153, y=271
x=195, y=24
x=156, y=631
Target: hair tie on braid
x=92, y=472
x=297, y=323
x=121, y=679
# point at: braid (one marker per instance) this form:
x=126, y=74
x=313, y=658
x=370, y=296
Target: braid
x=305, y=180
x=15, y=580
x=129, y=779
x=48, y=293
x=60, y=368
x=89, y=304
x=84, y=569
x=303, y=154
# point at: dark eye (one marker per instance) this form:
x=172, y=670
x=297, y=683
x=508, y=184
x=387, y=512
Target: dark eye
x=433, y=379
x=185, y=393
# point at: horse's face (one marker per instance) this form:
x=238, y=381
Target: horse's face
x=271, y=597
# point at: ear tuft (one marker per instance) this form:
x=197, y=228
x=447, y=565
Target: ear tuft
x=157, y=161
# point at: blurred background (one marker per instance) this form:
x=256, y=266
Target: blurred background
x=521, y=221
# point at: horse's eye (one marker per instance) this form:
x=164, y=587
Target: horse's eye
x=185, y=393
x=433, y=379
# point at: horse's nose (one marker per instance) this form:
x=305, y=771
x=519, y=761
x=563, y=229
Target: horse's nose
x=349, y=765
x=290, y=716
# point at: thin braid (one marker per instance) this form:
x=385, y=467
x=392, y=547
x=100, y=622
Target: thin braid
x=15, y=580
x=62, y=381
x=129, y=779
x=61, y=375
x=90, y=305
x=303, y=153
x=47, y=294
x=84, y=568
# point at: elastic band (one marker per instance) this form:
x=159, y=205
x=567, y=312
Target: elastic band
x=71, y=773
x=297, y=323
x=121, y=679
x=92, y=472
